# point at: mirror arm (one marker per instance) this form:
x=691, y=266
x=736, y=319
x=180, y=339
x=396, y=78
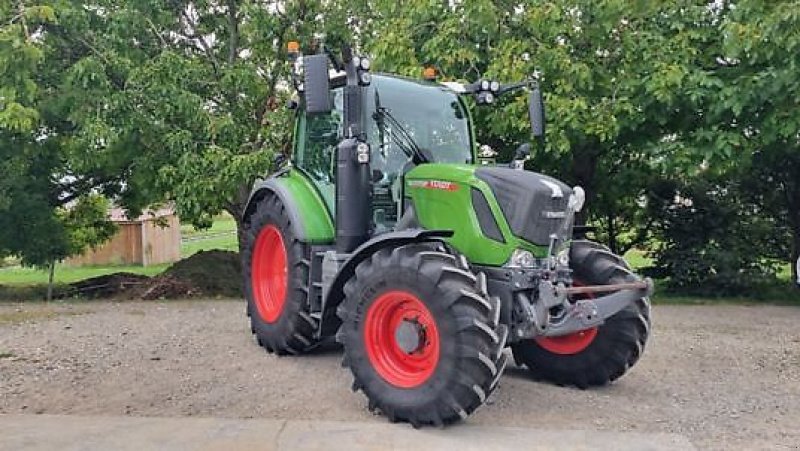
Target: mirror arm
x=512, y=87
x=336, y=62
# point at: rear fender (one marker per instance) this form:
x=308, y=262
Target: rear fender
x=310, y=219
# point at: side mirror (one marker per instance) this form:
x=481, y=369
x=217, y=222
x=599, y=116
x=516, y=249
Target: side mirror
x=536, y=112
x=316, y=85
x=522, y=151
x=520, y=155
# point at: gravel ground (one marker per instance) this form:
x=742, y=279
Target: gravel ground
x=724, y=376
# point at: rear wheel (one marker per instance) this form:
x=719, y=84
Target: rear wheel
x=275, y=265
x=421, y=335
x=598, y=355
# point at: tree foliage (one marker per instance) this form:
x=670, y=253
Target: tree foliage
x=761, y=91
x=48, y=210
x=622, y=82
x=711, y=239
x=142, y=102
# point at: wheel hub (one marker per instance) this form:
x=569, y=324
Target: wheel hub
x=401, y=339
x=410, y=335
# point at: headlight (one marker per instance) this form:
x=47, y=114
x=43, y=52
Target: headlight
x=562, y=258
x=521, y=258
x=577, y=199
x=365, y=63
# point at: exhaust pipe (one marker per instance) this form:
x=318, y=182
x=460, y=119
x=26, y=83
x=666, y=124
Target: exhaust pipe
x=353, y=181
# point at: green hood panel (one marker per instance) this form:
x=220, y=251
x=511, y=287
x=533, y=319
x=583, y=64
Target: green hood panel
x=442, y=198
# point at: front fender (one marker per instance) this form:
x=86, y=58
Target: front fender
x=335, y=295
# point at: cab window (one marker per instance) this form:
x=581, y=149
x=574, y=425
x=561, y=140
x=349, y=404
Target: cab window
x=316, y=147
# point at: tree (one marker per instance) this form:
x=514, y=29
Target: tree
x=46, y=212
x=623, y=83
x=151, y=101
x=712, y=239
x=762, y=50
x=188, y=95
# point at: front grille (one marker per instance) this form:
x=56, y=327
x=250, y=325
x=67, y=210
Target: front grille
x=534, y=205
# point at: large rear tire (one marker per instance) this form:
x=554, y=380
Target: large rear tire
x=421, y=335
x=275, y=266
x=595, y=356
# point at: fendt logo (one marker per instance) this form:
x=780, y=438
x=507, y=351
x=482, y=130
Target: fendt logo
x=434, y=184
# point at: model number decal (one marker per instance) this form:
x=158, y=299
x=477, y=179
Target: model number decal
x=434, y=184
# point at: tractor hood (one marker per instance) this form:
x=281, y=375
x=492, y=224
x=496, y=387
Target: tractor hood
x=534, y=205
x=492, y=211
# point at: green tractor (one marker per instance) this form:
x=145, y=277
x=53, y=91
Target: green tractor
x=384, y=231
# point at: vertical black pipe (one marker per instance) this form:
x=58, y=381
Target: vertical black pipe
x=353, y=181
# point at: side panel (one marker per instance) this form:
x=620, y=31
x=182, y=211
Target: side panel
x=310, y=216
x=442, y=198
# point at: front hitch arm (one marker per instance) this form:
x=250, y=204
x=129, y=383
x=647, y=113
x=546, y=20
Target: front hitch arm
x=588, y=313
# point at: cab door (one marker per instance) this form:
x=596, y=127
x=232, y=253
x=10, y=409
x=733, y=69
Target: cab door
x=315, y=148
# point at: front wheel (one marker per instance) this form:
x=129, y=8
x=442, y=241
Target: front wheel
x=421, y=336
x=598, y=355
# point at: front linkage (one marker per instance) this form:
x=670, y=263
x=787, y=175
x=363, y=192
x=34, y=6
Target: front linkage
x=543, y=299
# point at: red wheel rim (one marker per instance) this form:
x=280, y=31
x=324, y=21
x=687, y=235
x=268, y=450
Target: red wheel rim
x=269, y=274
x=395, y=365
x=572, y=343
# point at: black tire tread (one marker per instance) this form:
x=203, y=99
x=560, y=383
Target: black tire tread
x=295, y=333
x=479, y=356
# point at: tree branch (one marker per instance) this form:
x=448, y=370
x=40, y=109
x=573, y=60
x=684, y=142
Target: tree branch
x=21, y=15
x=233, y=29
x=200, y=41
x=155, y=32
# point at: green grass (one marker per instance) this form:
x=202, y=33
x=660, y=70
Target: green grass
x=68, y=274
x=224, y=242
x=638, y=259
x=790, y=299
x=785, y=272
x=222, y=223
x=221, y=235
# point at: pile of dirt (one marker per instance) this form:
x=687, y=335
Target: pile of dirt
x=116, y=285
x=166, y=287
x=212, y=273
x=206, y=273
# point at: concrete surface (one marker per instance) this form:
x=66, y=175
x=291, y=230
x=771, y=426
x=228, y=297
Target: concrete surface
x=49, y=432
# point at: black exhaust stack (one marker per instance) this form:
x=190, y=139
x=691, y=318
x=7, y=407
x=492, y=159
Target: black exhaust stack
x=353, y=181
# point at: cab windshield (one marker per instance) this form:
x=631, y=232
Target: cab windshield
x=407, y=121
x=430, y=115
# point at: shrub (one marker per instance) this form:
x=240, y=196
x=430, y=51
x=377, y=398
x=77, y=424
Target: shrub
x=709, y=241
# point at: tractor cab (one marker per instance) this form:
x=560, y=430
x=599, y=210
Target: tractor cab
x=397, y=113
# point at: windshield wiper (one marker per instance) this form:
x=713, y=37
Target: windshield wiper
x=398, y=133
